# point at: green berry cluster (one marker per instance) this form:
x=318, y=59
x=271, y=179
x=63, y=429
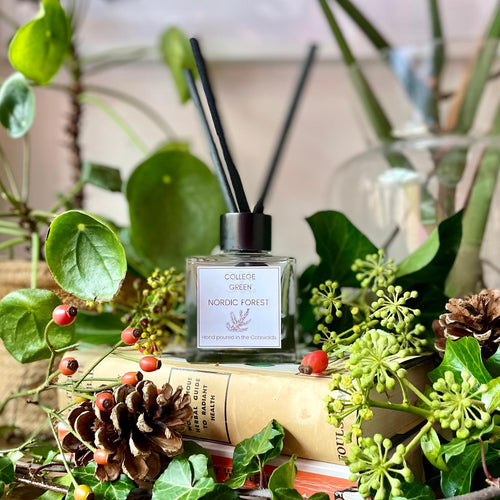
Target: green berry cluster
x=377, y=469
x=158, y=310
x=391, y=308
x=457, y=404
x=374, y=271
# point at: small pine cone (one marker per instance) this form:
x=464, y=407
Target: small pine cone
x=141, y=432
x=476, y=316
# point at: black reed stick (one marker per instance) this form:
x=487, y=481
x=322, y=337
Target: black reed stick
x=259, y=206
x=234, y=176
x=214, y=153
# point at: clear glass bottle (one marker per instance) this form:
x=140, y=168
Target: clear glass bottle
x=241, y=303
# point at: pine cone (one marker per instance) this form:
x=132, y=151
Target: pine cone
x=476, y=316
x=141, y=432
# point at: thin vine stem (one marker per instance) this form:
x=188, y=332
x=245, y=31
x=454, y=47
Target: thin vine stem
x=25, y=189
x=106, y=108
x=35, y=257
x=13, y=242
x=10, y=176
x=63, y=200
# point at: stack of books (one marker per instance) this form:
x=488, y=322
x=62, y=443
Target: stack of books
x=234, y=402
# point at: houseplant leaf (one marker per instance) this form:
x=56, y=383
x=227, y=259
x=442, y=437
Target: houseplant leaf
x=177, y=53
x=175, y=203
x=184, y=479
x=283, y=476
x=338, y=244
x=39, y=47
x=108, y=178
x=85, y=256
x=17, y=105
x=463, y=354
x=24, y=314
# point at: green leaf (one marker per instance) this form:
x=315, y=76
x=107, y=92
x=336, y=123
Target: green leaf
x=17, y=105
x=177, y=53
x=283, y=476
x=103, y=328
x=85, y=256
x=184, y=479
x=463, y=354
x=6, y=470
x=117, y=490
x=432, y=261
x=24, y=314
x=286, y=494
x=455, y=447
x=461, y=468
x=175, y=204
x=319, y=496
x=108, y=178
x=222, y=492
x=431, y=447
x=39, y=47
x=491, y=398
x=415, y=491
x=137, y=262
x=2, y=489
x=253, y=453
x=338, y=244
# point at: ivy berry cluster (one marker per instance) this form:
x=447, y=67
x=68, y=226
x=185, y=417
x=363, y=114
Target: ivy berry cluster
x=157, y=315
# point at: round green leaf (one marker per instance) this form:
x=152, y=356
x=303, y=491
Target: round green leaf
x=24, y=314
x=39, y=47
x=85, y=256
x=177, y=53
x=175, y=204
x=17, y=105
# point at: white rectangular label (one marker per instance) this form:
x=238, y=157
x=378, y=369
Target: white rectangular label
x=239, y=307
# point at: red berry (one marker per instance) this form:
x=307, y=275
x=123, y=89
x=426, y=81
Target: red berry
x=68, y=366
x=64, y=314
x=101, y=456
x=105, y=401
x=131, y=335
x=316, y=360
x=61, y=431
x=131, y=378
x=83, y=492
x=149, y=363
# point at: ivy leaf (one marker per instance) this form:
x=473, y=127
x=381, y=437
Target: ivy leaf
x=39, y=47
x=53, y=495
x=222, y=492
x=338, y=244
x=108, y=178
x=284, y=475
x=24, y=314
x=177, y=53
x=463, y=354
x=17, y=105
x=432, y=261
x=6, y=470
x=431, y=447
x=286, y=494
x=461, y=468
x=175, y=204
x=116, y=490
x=416, y=491
x=319, y=496
x=85, y=256
x=455, y=447
x=184, y=479
x=491, y=398
x=253, y=453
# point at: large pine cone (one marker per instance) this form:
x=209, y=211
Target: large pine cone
x=141, y=431
x=476, y=316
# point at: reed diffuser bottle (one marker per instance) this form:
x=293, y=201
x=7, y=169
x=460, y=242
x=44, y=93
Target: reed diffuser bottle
x=240, y=303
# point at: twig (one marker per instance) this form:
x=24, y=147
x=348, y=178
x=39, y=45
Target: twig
x=41, y=484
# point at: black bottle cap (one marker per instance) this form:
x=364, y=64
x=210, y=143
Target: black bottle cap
x=245, y=231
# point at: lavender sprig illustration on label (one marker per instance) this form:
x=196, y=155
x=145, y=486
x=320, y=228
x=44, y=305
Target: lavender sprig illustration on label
x=238, y=324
